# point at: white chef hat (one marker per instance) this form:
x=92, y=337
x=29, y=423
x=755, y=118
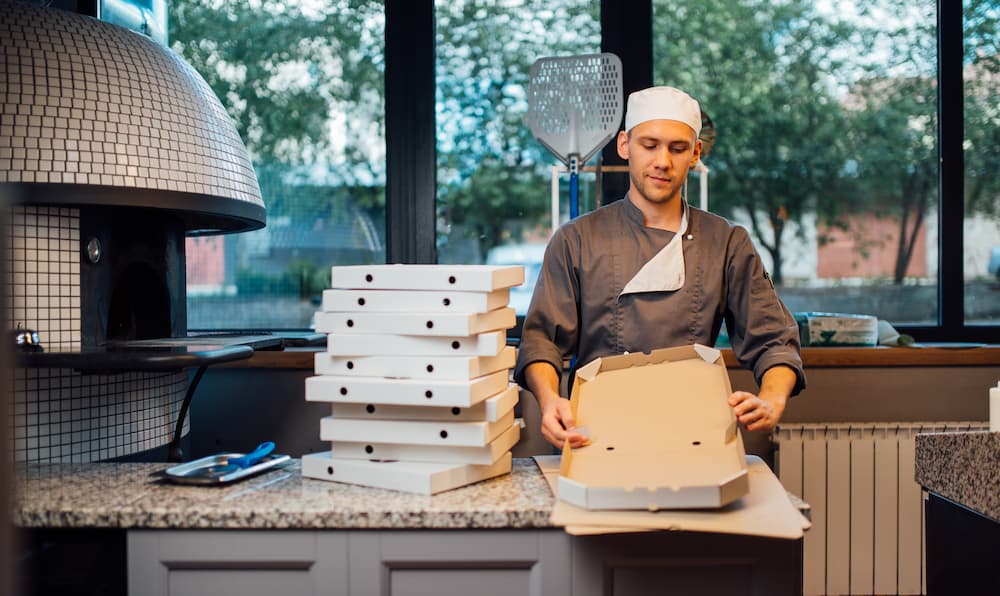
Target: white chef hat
x=662, y=103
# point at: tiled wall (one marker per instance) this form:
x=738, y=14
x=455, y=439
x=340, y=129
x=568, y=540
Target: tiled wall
x=43, y=292
x=64, y=415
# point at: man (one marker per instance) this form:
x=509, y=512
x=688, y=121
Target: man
x=651, y=272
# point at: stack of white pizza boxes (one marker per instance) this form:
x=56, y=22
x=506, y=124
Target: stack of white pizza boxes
x=417, y=371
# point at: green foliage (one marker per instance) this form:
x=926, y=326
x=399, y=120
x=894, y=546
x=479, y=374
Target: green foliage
x=818, y=114
x=760, y=70
x=283, y=73
x=300, y=278
x=982, y=107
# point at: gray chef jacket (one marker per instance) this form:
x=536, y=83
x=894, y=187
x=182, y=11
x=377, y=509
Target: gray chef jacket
x=578, y=310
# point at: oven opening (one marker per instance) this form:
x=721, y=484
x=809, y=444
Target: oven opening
x=140, y=305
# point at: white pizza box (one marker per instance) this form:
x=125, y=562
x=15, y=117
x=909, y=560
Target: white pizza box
x=421, y=324
x=415, y=477
x=662, y=433
x=407, y=392
x=360, y=344
x=415, y=367
x=488, y=410
x=413, y=301
x=486, y=454
x=463, y=278
x=413, y=432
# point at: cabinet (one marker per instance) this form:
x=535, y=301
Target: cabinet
x=244, y=563
x=457, y=563
x=962, y=547
x=687, y=563
x=333, y=563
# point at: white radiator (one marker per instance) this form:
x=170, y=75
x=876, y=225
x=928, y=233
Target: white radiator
x=867, y=535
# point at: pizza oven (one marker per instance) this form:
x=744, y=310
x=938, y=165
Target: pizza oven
x=117, y=151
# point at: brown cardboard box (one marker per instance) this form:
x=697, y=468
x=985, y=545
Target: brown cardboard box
x=767, y=510
x=662, y=434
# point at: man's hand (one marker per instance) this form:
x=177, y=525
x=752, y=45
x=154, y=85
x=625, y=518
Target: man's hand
x=557, y=418
x=763, y=411
x=757, y=413
x=558, y=424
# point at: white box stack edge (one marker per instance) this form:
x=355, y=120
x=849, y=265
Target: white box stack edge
x=417, y=374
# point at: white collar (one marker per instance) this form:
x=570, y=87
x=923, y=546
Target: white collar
x=665, y=271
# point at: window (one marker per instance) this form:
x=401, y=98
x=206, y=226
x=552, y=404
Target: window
x=304, y=83
x=494, y=178
x=831, y=109
x=981, y=150
x=827, y=154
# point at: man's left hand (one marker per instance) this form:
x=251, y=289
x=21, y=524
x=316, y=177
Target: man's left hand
x=757, y=413
x=763, y=411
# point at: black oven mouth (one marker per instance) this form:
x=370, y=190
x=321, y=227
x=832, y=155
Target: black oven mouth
x=135, y=289
x=139, y=306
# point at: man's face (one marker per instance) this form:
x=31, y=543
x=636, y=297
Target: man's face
x=659, y=154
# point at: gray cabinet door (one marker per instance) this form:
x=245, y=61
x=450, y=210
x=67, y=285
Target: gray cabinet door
x=689, y=563
x=245, y=563
x=460, y=563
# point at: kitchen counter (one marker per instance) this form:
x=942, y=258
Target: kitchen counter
x=963, y=467
x=133, y=496
x=129, y=496
x=282, y=533
x=961, y=473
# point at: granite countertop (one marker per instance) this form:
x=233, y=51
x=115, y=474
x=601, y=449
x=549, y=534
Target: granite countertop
x=128, y=496
x=963, y=467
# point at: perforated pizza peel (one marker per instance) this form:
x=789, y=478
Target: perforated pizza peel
x=574, y=108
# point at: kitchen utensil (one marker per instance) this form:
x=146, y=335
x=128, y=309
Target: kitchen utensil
x=226, y=467
x=26, y=340
x=574, y=108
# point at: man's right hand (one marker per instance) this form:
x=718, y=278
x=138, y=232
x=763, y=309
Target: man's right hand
x=557, y=418
x=558, y=424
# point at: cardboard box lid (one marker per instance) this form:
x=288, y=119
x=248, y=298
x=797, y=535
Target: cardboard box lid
x=490, y=343
x=414, y=432
x=413, y=301
x=662, y=433
x=372, y=390
x=464, y=278
x=489, y=410
x=415, y=367
x=412, y=323
x=415, y=477
x=487, y=454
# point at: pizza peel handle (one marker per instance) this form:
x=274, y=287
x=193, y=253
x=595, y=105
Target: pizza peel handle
x=574, y=108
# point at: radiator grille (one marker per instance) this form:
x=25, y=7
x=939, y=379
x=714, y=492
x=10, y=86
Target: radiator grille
x=867, y=535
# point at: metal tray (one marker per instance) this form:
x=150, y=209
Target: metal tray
x=216, y=470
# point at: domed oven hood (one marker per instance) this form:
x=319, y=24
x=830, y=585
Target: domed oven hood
x=95, y=114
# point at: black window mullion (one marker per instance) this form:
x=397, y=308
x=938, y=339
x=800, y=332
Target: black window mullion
x=411, y=162
x=951, y=187
x=627, y=32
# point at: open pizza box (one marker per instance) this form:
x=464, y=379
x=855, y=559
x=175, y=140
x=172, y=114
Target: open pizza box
x=662, y=434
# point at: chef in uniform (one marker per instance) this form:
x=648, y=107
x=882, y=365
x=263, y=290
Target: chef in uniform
x=651, y=271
